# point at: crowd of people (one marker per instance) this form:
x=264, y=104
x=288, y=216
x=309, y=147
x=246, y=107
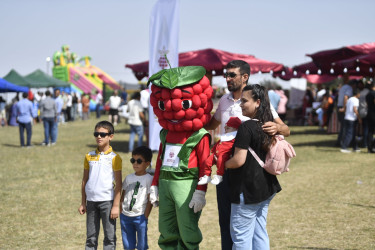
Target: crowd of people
x=60, y=107
x=47, y=108
x=348, y=111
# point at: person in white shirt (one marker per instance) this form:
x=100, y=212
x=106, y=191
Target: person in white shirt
x=350, y=123
x=101, y=188
x=135, y=120
x=145, y=100
x=114, y=103
x=145, y=97
x=99, y=101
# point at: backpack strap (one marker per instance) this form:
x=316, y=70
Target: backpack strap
x=261, y=163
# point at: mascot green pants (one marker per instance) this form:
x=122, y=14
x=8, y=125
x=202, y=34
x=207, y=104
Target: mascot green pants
x=177, y=220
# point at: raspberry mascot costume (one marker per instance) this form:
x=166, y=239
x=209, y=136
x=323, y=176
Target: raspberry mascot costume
x=181, y=99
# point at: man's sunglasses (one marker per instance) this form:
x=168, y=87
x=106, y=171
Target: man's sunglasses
x=230, y=74
x=132, y=160
x=102, y=134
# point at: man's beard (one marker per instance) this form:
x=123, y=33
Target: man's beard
x=233, y=87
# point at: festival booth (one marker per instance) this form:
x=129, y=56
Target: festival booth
x=353, y=62
x=39, y=79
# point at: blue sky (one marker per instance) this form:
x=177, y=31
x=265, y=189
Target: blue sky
x=115, y=32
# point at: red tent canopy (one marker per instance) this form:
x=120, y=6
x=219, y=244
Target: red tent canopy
x=318, y=79
x=363, y=65
x=324, y=58
x=311, y=73
x=307, y=68
x=212, y=60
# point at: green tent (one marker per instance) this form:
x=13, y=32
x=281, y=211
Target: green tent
x=14, y=77
x=39, y=79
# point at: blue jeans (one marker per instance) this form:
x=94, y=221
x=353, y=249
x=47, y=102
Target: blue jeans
x=74, y=111
x=349, y=134
x=371, y=128
x=248, y=225
x=50, y=129
x=134, y=232
x=135, y=130
x=364, y=132
x=341, y=119
x=224, y=208
x=97, y=211
x=97, y=109
x=22, y=127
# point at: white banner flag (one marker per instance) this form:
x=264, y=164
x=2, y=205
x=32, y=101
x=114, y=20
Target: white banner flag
x=164, y=29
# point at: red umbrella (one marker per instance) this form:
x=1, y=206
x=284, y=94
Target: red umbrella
x=212, y=60
x=326, y=57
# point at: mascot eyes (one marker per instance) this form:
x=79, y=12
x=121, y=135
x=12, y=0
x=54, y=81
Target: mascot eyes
x=186, y=104
x=161, y=105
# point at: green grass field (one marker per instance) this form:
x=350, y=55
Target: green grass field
x=327, y=201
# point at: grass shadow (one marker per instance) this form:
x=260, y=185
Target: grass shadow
x=11, y=145
x=360, y=205
x=315, y=248
x=325, y=143
x=354, y=204
x=310, y=131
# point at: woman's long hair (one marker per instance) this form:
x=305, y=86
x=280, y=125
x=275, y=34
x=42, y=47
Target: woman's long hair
x=263, y=112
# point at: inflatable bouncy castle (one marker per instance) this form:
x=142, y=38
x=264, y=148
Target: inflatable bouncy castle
x=84, y=77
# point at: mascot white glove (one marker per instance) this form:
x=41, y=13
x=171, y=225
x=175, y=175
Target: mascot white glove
x=154, y=192
x=198, y=201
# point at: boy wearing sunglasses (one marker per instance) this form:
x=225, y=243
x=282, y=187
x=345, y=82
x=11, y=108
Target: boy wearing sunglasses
x=135, y=201
x=100, y=197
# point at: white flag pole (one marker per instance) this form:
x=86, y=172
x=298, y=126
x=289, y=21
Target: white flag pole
x=164, y=29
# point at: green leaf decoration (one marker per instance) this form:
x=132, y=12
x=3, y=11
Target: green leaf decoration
x=155, y=78
x=177, y=77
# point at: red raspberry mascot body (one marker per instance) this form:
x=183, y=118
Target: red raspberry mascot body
x=181, y=99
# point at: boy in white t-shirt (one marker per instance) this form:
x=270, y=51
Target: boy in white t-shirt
x=135, y=201
x=101, y=188
x=350, y=123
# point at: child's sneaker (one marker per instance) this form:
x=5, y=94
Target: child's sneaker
x=204, y=180
x=217, y=179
